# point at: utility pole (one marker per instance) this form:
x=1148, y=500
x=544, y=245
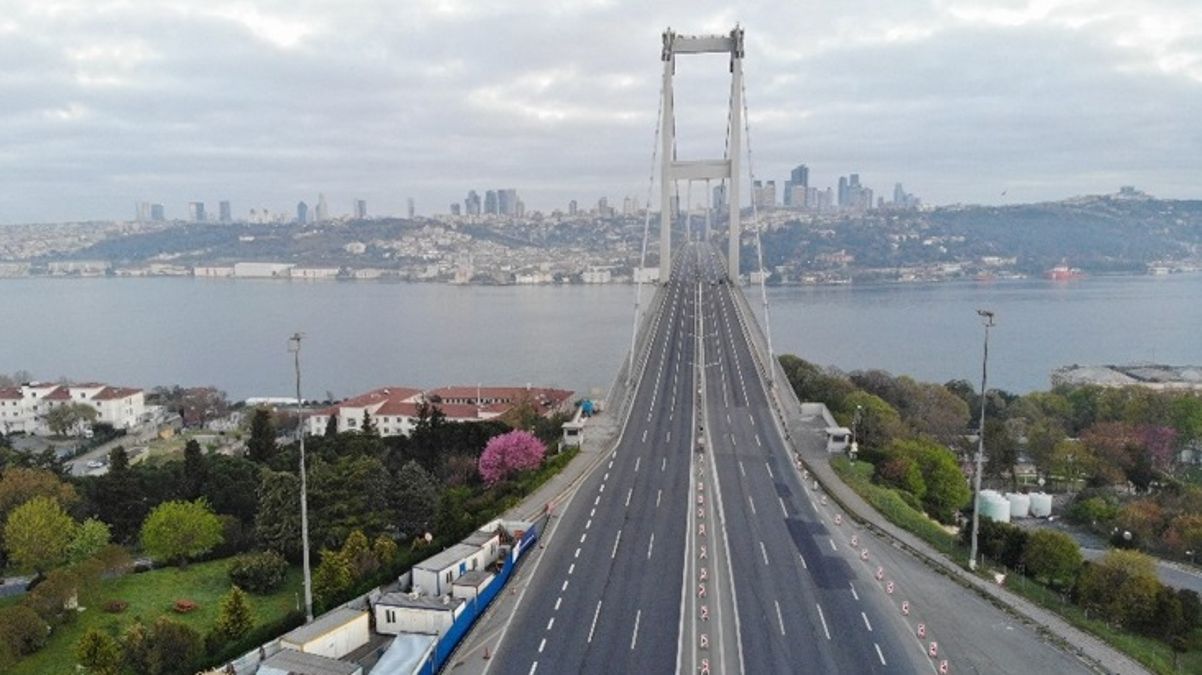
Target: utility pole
x=976, y=479
x=294, y=346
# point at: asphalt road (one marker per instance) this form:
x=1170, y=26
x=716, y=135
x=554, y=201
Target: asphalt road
x=609, y=591
x=797, y=602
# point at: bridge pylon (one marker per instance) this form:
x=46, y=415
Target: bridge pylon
x=727, y=169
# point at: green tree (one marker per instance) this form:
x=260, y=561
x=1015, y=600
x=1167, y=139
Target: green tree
x=234, y=616
x=415, y=498
x=945, y=487
x=196, y=471
x=813, y=384
x=277, y=523
x=120, y=500
x=38, y=533
x=98, y=653
x=332, y=426
x=879, y=422
x=332, y=578
x=1001, y=452
x=91, y=537
x=369, y=425
x=231, y=486
x=20, y=484
x=177, y=530
x=1122, y=587
x=1052, y=556
x=66, y=418
x=350, y=493
x=172, y=648
x=384, y=549
x=901, y=472
x=261, y=445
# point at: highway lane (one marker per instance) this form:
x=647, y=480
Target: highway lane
x=796, y=597
x=608, y=596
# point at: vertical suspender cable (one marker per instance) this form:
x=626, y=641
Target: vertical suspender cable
x=759, y=249
x=638, y=286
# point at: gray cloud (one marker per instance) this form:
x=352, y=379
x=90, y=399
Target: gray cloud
x=106, y=103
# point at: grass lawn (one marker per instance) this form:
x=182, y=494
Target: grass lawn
x=858, y=476
x=150, y=595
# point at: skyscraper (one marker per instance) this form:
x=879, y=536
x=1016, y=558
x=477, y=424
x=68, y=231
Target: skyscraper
x=360, y=209
x=223, y=212
x=507, y=201
x=572, y=208
x=719, y=201
x=196, y=212
x=455, y=208
x=302, y=213
x=471, y=205
x=143, y=212
x=800, y=175
x=490, y=202
x=411, y=208
x=842, y=191
x=323, y=211
x=156, y=213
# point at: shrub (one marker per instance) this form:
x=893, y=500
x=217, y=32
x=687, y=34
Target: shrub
x=22, y=631
x=259, y=573
x=183, y=606
x=115, y=606
x=98, y=653
x=1053, y=556
x=508, y=453
x=234, y=619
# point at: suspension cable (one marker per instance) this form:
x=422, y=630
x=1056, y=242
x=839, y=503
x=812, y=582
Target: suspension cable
x=759, y=248
x=638, y=286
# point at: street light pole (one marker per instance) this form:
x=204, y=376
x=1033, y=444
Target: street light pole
x=294, y=346
x=976, y=479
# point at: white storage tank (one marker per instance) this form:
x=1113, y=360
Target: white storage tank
x=1041, y=504
x=1020, y=505
x=994, y=506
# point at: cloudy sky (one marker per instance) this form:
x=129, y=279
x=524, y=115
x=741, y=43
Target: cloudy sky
x=107, y=102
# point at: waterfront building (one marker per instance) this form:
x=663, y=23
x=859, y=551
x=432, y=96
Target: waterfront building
x=23, y=409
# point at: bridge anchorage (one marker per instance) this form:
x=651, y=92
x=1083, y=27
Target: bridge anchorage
x=726, y=169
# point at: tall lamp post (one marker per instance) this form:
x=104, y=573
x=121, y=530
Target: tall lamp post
x=987, y=316
x=294, y=346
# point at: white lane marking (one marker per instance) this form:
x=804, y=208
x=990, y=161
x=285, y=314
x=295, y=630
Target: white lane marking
x=605, y=477
x=658, y=494
x=628, y=494
x=634, y=637
x=577, y=552
x=550, y=623
x=637, y=461
x=866, y=624
x=822, y=617
x=879, y=654
x=757, y=441
x=542, y=644
x=593, y=627
x=770, y=474
x=782, y=506
x=779, y=617
x=733, y=441
x=611, y=464
x=583, y=537
x=728, y=418
x=618, y=538
x=741, y=471
x=564, y=587
x=644, y=435
x=557, y=602
x=592, y=512
x=602, y=488
x=597, y=500
x=764, y=552
x=588, y=524
x=804, y=566
x=670, y=414
x=749, y=501
x=663, y=466
x=669, y=440
x=833, y=544
x=750, y=417
x=571, y=568
x=853, y=591
x=650, y=545
x=533, y=667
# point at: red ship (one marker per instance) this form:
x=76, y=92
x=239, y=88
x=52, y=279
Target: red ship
x=1063, y=272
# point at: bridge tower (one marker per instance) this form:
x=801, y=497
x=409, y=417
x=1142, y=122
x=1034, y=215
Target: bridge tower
x=672, y=170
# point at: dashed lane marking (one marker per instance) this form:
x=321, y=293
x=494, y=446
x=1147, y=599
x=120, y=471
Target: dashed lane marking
x=822, y=618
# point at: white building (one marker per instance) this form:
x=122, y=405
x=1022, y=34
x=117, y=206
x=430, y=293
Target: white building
x=395, y=410
x=436, y=576
x=24, y=408
x=597, y=275
x=213, y=272
x=332, y=635
x=314, y=273
x=415, y=613
x=262, y=270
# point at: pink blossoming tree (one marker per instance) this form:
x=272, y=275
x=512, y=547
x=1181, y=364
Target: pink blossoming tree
x=505, y=454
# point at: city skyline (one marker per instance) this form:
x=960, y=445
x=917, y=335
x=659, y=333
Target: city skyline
x=111, y=108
